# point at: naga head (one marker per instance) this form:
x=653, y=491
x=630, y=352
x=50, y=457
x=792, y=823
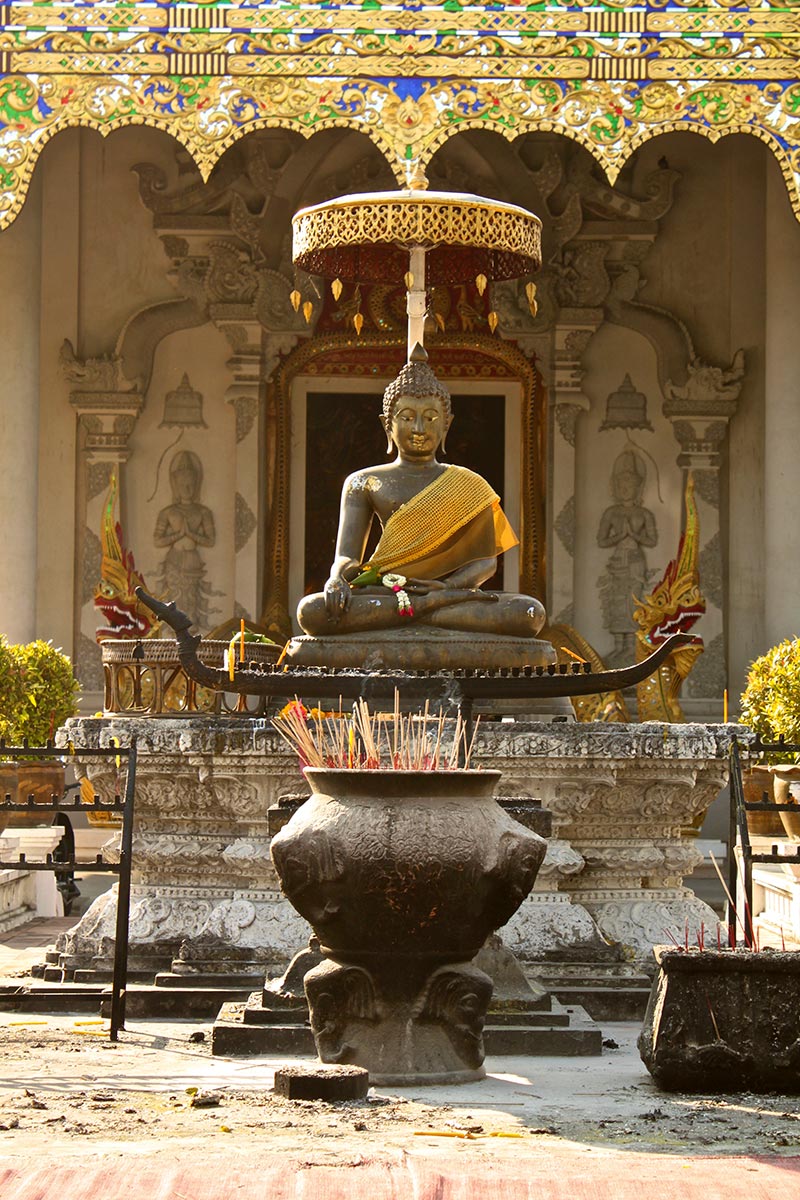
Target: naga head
x=675, y=603
x=114, y=597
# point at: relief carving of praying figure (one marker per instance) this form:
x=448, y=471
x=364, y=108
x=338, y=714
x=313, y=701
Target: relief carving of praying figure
x=628, y=528
x=442, y=531
x=182, y=528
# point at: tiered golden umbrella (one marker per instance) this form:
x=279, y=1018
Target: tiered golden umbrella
x=428, y=239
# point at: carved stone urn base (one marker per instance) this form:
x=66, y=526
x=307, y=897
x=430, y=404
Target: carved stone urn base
x=403, y=1034
x=403, y=875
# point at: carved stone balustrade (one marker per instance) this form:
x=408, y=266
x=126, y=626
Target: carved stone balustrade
x=206, y=900
x=204, y=892
x=624, y=798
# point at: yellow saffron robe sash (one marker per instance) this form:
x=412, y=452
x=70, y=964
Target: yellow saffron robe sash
x=451, y=522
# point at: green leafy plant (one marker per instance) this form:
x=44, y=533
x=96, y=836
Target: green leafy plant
x=11, y=694
x=770, y=703
x=38, y=691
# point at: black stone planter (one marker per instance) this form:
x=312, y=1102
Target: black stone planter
x=724, y=1021
x=403, y=875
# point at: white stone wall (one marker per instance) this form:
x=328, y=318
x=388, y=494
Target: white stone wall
x=613, y=353
x=202, y=354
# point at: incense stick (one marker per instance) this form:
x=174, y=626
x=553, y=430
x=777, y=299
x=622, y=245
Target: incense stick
x=375, y=741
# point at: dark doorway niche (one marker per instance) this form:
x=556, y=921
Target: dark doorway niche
x=343, y=433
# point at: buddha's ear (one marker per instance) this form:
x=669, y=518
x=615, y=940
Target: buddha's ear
x=443, y=443
x=389, y=443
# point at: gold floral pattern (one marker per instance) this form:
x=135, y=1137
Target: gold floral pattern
x=610, y=76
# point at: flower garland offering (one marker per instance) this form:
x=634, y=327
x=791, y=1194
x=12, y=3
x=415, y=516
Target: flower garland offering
x=367, y=741
x=397, y=584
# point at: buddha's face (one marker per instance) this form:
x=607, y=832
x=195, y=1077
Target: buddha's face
x=418, y=426
x=626, y=487
x=184, y=485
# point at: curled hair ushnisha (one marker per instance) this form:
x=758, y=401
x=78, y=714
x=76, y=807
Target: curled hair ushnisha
x=416, y=379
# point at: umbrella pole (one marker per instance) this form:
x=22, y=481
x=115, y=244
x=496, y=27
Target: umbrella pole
x=416, y=299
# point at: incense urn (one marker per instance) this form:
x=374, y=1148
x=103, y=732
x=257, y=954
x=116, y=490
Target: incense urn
x=403, y=875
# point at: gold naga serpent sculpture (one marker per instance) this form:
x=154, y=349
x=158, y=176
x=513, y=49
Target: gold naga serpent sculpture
x=460, y=686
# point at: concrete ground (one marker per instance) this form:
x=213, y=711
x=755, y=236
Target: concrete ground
x=84, y=1118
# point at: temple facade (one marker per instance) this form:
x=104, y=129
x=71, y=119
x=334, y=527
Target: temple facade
x=165, y=366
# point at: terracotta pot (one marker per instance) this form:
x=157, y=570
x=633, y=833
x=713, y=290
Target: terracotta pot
x=786, y=782
x=403, y=875
x=42, y=780
x=724, y=1021
x=758, y=783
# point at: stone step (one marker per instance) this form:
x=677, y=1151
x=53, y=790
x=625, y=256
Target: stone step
x=209, y=979
x=261, y=1015
x=607, y=1003
x=147, y=1000
x=241, y=1029
x=232, y=1037
x=533, y=1017
x=39, y=998
x=104, y=976
x=580, y=1037
x=603, y=974
x=608, y=991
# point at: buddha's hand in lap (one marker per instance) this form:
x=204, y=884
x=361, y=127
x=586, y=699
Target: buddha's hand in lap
x=338, y=594
x=421, y=587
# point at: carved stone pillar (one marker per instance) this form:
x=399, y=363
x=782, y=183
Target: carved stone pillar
x=782, y=418
x=20, y=270
x=250, y=304
x=106, y=417
x=631, y=838
x=245, y=397
x=700, y=411
x=549, y=924
x=571, y=335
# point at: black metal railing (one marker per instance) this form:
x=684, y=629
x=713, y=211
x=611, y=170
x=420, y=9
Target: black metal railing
x=739, y=834
x=121, y=803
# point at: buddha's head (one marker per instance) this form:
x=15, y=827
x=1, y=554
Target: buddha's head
x=185, y=477
x=628, y=478
x=416, y=409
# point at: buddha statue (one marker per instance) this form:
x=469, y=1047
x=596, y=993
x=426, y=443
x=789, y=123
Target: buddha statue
x=418, y=601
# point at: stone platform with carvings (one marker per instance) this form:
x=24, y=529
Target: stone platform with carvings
x=207, y=912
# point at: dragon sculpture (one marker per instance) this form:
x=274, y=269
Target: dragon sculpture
x=115, y=598
x=673, y=606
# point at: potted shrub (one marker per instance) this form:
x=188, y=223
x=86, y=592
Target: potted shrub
x=770, y=705
x=38, y=693
x=11, y=698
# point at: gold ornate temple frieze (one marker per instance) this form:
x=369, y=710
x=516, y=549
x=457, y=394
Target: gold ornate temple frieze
x=609, y=76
